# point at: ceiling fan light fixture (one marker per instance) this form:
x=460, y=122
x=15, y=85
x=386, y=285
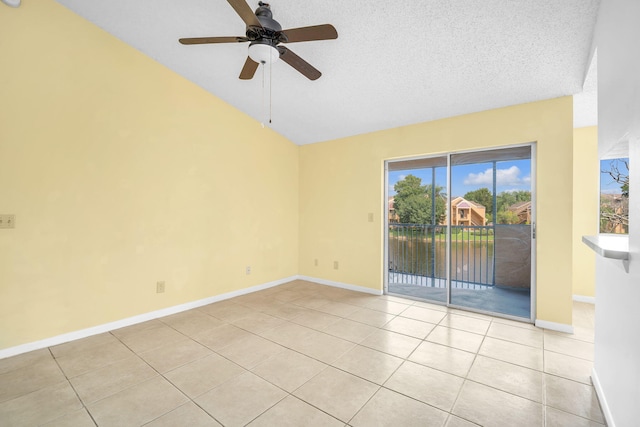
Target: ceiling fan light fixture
x=263, y=53
x=12, y=3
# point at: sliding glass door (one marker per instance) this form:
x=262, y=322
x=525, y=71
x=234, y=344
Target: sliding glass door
x=460, y=230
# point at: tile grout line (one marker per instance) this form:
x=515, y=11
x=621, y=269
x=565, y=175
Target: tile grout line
x=178, y=388
x=469, y=370
x=332, y=366
x=159, y=374
x=544, y=389
x=72, y=388
x=264, y=379
x=364, y=404
x=327, y=366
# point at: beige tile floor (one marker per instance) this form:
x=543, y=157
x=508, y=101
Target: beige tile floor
x=303, y=354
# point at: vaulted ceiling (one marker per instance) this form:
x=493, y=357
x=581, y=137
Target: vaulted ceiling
x=395, y=62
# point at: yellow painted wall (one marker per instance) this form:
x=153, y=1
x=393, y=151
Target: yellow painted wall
x=121, y=174
x=341, y=182
x=586, y=173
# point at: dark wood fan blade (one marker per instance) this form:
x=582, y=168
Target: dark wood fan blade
x=249, y=69
x=299, y=64
x=205, y=40
x=314, y=32
x=242, y=8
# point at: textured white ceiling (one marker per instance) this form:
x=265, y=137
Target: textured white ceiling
x=395, y=62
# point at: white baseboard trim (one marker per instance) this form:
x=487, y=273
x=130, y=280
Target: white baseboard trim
x=341, y=285
x=559, y=327
x=83, y=333
x=606, y=411
x=584, y=298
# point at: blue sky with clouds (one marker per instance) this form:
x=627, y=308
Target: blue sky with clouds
x=510, y=176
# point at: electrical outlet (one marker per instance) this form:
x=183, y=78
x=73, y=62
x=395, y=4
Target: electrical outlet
x=335, y=265
x=7, y=221
x=248, y=270
x=159, y=287
x=315, y=262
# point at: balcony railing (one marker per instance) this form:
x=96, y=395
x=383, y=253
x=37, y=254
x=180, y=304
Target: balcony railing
x=417, y=255
x=473, y=255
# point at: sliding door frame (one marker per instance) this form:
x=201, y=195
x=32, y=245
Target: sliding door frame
x=533, y=288
x=385, y=209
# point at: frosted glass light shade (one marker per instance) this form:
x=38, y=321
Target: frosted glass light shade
x=12, y=3
x=263, y=53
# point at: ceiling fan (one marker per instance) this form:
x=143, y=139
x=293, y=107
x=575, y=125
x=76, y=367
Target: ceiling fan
x=265, y=35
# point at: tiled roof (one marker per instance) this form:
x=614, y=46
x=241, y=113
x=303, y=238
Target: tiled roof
x=520, y=206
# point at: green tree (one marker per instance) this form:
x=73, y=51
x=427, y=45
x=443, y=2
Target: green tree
x=503, y=201
x=414, y=209
x=413, y=203
x=507, y=199
x=441, y=203
x=482, y=196
x=508, y=217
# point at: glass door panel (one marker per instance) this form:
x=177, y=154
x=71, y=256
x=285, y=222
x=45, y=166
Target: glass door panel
x=417, y=238
x=491, y=231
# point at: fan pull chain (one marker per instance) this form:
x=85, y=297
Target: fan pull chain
x=263, y=103
x=270, y=86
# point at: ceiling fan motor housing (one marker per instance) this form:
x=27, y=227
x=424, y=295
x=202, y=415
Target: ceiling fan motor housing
x=271, y=30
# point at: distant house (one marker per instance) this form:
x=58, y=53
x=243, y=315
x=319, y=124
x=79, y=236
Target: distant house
x=466, y=212
x=463, y=212
x=393, y=216
x=523, y=210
